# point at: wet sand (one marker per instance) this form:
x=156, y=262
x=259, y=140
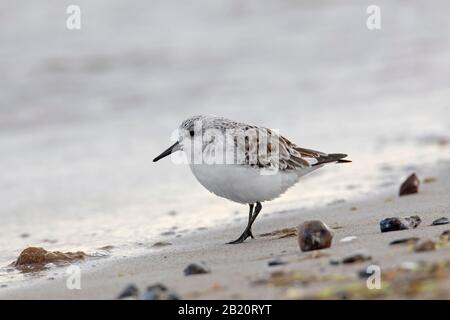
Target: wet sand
x=242, y=271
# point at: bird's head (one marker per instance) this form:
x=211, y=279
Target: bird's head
x=190, y=130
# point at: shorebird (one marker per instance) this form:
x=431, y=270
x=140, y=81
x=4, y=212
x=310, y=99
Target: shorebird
x=244, y=163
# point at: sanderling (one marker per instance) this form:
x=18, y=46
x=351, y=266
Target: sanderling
x=244, y=163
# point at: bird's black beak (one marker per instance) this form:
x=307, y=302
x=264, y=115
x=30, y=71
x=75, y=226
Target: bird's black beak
x=175, y=147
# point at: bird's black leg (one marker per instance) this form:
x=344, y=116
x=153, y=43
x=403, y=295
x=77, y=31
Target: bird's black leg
x=249, y=223
x=248, y=230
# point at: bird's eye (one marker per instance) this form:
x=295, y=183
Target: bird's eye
x=191, y=133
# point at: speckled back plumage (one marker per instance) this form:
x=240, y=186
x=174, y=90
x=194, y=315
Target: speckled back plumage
x=282, y=154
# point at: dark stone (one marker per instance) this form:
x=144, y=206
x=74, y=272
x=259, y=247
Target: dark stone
x=396, y=224
x=356, y=257
x=410, y=186
x=392, y=224
x=161, y=244
x=159, y=292
x=334, y=261
x=446, y=233
x=314, y=235
x=130, y=292
x=276, y=262
x=195, y=268
x=363, y=274
x=411, y=240
x=440, y=221
x=413, y=221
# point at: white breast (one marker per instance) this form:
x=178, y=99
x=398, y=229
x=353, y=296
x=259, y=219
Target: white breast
x=244, y=184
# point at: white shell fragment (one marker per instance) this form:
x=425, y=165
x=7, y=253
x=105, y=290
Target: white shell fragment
x=348, y=239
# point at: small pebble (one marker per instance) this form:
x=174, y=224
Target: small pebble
x=410, y=186
x=359, y=256
x=413, y=221
x=161, y=244
x=427, y=245
x=363, y=274
x=440, y=221
x=396, y=224
x=314, y=235
x=334, y=261
x=129, y=293
x=159, y=292
x=195, y=268
x=276, y=262
x=411, y=240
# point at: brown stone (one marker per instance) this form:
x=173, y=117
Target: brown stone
x=314, y=235
x=33, y=256
x=410, y=186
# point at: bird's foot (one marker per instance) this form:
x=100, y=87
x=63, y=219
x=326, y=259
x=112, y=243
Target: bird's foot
x=242, y=237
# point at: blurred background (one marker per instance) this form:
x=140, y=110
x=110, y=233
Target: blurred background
x=84, y=112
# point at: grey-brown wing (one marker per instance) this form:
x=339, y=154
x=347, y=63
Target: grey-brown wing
x=264, y=148
x=300, y=156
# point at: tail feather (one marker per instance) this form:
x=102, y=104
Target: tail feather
x=333, y=157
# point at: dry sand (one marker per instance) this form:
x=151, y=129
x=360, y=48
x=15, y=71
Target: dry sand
x=242, y=271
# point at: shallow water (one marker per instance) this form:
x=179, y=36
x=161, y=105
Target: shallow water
x=84, y=112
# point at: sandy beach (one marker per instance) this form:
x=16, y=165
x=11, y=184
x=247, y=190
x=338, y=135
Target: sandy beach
x=84, y=112
x=242, y=271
